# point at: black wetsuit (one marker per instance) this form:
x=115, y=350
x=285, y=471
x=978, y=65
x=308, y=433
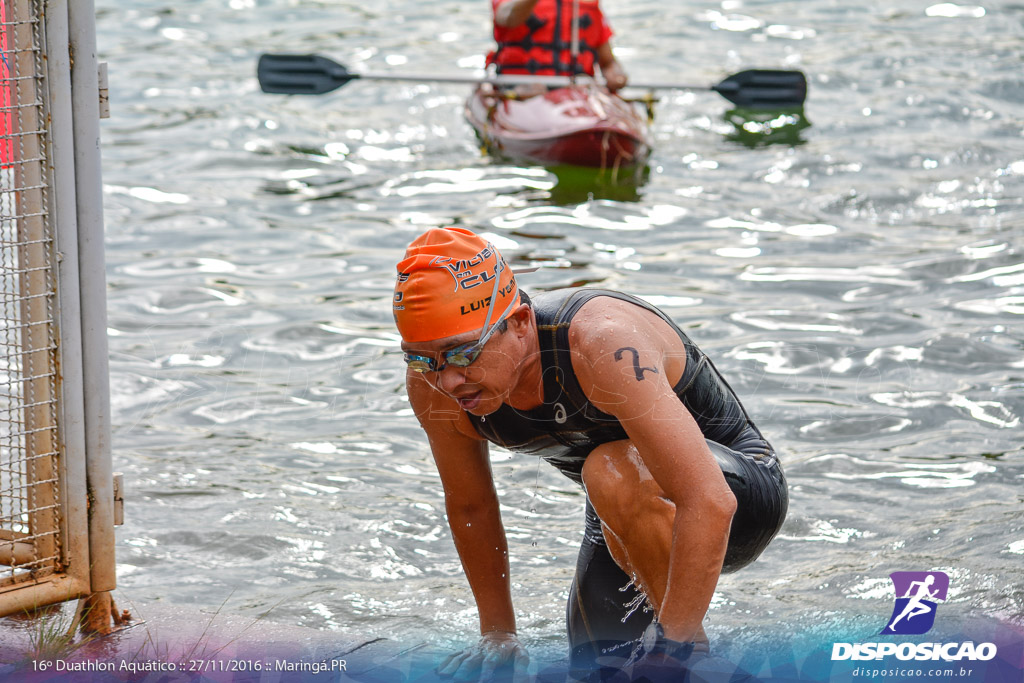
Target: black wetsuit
x=602, y=614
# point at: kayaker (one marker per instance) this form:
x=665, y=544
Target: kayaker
x=680, y=485
x=535, y=37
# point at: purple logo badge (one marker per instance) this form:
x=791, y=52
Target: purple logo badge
x=916, y=596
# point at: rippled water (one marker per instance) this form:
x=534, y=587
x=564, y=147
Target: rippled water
x=856, y=272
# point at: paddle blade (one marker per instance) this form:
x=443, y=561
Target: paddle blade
x=764, y=89
x=301, y=74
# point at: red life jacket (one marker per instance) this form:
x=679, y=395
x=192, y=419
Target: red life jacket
x=543, y=43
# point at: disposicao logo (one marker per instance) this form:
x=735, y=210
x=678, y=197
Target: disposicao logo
x=917, y=594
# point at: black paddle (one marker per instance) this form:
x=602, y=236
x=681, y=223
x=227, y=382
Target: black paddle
x=315, y=75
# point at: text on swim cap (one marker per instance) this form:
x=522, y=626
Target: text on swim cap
x=486, y=301
x=461, y=269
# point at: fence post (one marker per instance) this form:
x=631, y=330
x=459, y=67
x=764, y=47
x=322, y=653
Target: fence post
x=63, y=202
x=93, y=282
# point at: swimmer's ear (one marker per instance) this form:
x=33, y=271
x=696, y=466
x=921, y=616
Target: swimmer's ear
x=520, y=318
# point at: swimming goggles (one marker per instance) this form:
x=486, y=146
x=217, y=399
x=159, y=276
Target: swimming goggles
x=462, y=355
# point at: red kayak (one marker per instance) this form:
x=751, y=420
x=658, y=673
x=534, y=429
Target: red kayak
x=581, y=125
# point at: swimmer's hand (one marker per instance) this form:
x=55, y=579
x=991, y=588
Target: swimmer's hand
x=615, y=77
x=495, y=650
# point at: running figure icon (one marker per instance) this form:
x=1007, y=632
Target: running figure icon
x=920, y=593
x=915, y=607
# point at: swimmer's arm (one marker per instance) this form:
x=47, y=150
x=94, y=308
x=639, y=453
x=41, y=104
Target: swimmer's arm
x=470, y=502
x=621, y=364
x=614, y=75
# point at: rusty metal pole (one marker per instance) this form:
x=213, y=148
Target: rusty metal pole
x=93, y=283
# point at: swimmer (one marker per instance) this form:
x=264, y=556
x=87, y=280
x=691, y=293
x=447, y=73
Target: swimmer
x=680, y=484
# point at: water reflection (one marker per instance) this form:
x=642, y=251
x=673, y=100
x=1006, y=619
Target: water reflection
x=755, y=129
x=575, y=184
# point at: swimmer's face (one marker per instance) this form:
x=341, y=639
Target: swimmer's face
x=482, y=386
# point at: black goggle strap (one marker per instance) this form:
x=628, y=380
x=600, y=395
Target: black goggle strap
x=494, y=298
x=487, y=335
x=476, y=347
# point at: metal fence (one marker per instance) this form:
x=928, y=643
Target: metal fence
x=30, y=519
x=55, y=485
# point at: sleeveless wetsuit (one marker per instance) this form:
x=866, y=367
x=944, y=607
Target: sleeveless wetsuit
x=602, y=615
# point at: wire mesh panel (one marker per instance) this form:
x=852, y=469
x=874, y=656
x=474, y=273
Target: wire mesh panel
x=30, y=517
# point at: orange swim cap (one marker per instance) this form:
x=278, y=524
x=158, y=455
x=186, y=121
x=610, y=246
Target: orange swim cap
x=445, y=284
